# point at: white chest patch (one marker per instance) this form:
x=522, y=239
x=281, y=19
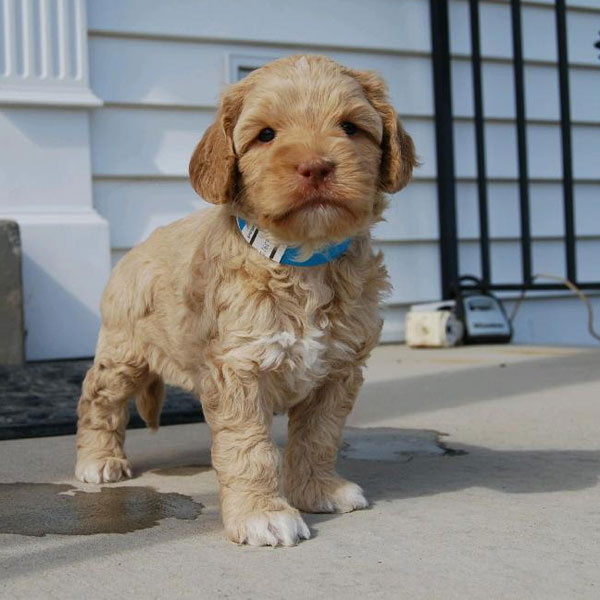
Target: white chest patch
x=301, y=357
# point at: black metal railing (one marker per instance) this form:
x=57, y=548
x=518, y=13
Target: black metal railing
x=450, y=268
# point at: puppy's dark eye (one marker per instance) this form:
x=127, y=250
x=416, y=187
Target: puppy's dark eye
x=349, y=128
x=266, y=135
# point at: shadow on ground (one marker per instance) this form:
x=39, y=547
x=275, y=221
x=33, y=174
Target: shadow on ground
x=432, y=391
x=508, y=471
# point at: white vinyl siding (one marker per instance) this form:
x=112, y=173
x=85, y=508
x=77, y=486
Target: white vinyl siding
x=159, y=68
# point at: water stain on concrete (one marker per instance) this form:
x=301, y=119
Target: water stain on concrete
x=37, y=509
x=389, y=444
x=182, y=470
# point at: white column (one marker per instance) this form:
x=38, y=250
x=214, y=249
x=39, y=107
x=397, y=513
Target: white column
x=43, y=53
x=45, y=173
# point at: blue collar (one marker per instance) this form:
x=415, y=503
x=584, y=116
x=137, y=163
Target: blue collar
x=287, y=255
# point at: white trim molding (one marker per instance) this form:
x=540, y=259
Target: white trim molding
x=45, y=174
x=66, y=263
x=45, y=183
x=43, y=53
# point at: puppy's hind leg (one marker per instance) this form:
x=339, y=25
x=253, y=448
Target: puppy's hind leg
x=149, y=401
x=103, y=417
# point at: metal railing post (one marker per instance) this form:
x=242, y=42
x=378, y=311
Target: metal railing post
x=440, y=42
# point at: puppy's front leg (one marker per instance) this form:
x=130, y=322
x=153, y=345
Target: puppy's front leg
x=314, y=434
x=247, y=463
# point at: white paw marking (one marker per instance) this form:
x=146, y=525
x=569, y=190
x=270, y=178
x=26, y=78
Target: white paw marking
x=277, y=528
x=348, y=497
x=104, y=470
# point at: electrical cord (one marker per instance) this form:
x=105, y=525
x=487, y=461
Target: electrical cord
x=573, y=288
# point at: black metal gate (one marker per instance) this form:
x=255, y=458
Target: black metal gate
x=450, y=269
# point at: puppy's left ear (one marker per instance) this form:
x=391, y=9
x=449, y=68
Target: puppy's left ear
x=399, y=157
x=213, y=166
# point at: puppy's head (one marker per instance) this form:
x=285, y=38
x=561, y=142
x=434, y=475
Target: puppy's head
x=304, y=148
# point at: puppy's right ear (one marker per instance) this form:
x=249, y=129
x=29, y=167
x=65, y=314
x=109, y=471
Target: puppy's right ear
x=213, y=166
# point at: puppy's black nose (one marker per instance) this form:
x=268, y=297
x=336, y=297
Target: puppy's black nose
x=316, y=171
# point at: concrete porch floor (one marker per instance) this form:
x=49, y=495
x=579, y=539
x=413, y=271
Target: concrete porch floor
x=482, y=464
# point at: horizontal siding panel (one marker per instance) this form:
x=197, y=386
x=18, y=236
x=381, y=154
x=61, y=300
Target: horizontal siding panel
x=550, y=321
x=500, y=146
x=543, y=150
x=414, y=270
x=159, y=67
x=155, y=142
x=586, y=152
x=378, y=24
x=156, y=71
x=505, y=259
x=584, y=85
x=147, y=75
x=546, y=209
x=496, y=32
x=192, y=74
x=422, y=132
x=134, y=209
x=548, y=257
x=145, y=142
x=587, y=210
x=588, y=260
x=542, y=101
x=412, y=214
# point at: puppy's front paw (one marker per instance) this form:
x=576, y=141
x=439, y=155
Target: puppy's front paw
x=327, y=496
x=102, y=470
x=280, y=527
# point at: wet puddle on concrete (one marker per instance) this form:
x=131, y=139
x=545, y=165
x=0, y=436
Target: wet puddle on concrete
x=37, y=509
x=393, y=445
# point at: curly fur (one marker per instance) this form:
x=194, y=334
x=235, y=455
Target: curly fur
x=197, y=307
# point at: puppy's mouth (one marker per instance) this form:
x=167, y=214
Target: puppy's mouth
x=313, y=202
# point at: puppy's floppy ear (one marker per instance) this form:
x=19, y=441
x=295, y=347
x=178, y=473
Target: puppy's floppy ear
x=213, y=168
x=399, y=157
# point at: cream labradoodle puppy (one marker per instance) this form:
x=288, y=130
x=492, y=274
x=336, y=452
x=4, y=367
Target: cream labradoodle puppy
x=266, y=302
